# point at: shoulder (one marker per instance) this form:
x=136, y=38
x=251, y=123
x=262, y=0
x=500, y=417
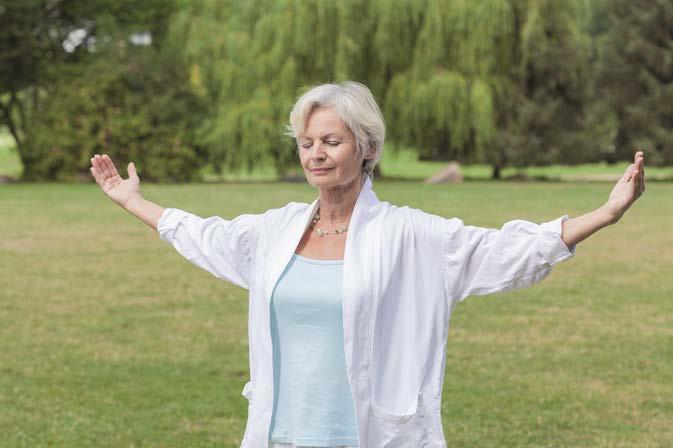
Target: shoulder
x=409, y=219
x=285, y=214
x=414, y=216
x=415, y=230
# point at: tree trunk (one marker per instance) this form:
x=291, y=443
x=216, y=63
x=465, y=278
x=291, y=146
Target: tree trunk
x=496, y=174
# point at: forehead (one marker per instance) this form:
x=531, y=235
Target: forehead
x=323, y=121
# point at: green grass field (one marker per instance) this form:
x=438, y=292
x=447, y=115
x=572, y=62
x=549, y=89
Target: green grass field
x=110, y=339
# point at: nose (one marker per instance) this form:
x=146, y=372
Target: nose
x=318, y=151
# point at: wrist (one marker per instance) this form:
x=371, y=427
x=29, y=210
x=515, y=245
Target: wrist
x=609, y=216
x=132, y=201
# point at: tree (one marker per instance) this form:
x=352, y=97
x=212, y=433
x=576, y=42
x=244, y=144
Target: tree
x=503, y=82
x=248, y=61
x=133, y=105
x=497, y=81
x=78, y=77
x=637, y=77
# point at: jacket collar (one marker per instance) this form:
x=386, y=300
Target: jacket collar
x=366, y=198
x=363, y=207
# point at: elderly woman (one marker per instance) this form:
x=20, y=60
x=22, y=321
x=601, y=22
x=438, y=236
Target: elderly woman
x=350, y=296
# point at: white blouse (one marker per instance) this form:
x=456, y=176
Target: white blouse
x=404, y=271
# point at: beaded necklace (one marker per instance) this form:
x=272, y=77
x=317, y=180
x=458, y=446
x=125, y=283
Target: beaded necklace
x=316, y=217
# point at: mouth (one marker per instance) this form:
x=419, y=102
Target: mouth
x=320, y=170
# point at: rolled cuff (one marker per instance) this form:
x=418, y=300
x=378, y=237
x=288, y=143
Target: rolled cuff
x=552, y=245
x=168, y=222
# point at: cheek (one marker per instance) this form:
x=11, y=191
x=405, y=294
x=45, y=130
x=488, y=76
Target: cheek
x=347, y=156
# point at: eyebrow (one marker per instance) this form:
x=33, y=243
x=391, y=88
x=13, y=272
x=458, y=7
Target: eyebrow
x=331, y=134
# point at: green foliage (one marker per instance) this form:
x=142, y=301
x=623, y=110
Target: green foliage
x=502, y=82
x=65, y=98
x=435, y=76
x=636, y=72
x=139, y=108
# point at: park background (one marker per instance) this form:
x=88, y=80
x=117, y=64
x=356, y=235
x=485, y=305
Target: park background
x=109, y=338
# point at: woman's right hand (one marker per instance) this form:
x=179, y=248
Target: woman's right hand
x=119, y=190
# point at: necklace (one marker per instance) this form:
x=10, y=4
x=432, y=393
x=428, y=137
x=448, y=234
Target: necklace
x=342, y=229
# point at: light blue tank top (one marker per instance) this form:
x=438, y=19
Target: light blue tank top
x=313, y=405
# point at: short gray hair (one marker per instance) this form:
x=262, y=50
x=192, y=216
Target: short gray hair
x=356, y=106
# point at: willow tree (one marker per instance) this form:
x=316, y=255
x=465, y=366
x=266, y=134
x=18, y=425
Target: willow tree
x=487, y=81
x=248, y=59
x=495, y=81
x=444, y=102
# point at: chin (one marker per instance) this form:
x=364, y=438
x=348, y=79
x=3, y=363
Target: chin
x=322, y=181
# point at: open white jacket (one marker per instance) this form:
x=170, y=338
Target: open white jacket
x=403, y=272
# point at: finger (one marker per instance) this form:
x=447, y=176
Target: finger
x=628, y=173
x=97, y=177
x=639, y=159
x=95, y=161
x=642, y=166
x=131, y=169
x=634, y=178
x=99, y=167
x=93, y=173
x=110, y=165
x=641, y=172
x=93, y=168
x=104, y=167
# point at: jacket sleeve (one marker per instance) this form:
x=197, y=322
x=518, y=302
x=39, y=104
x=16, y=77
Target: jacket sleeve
x=482, y=261
x=221, y=247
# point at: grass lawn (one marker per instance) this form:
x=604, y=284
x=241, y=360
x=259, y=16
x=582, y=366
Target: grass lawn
x=111, y=339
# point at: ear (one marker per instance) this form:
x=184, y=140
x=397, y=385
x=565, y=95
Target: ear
x=370, y=153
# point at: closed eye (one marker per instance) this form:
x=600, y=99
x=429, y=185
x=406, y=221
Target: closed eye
x=308, y=145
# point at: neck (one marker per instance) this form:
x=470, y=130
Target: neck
x=337, y=203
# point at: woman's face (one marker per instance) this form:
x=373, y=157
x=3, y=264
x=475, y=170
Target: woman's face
x=328, y=152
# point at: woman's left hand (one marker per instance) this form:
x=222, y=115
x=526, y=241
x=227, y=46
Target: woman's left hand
x=628, y=188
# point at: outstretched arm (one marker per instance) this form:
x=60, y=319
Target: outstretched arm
x=221, y=247
x=629, y=188
x=482, y=261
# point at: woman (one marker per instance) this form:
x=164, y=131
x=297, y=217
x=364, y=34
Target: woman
x=350, y=297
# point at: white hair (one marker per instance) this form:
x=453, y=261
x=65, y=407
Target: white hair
x=357, y=108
